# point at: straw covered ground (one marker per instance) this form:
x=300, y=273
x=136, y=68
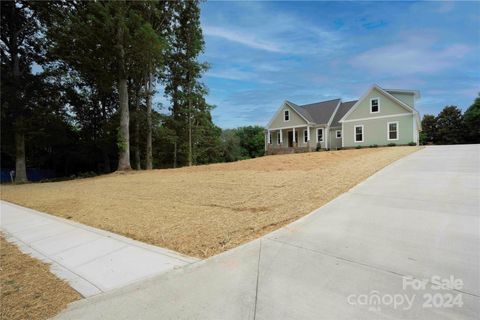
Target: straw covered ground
x=28, y=289
x=201, y=211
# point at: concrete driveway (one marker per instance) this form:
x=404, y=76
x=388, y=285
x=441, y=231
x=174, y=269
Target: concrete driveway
x=404, y=244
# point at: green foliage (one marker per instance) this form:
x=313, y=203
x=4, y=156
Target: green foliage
x=190, y=112
x=358, y=147
x=243, y=143
x=450, y=127
x=230, y=145
x=472, y=122
x=411, y=143
x=429, y=132
x=252, y=141
x=391, y=144
x=373, y=146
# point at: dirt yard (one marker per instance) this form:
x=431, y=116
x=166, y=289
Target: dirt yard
x=204, y=210
x=28, y=289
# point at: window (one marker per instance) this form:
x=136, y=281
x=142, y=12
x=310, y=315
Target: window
x=286, y=115
x=305, y=136
x=320, y=135
x=392, y=130
x=339, y=134
x=358, y=131
x=374, y=105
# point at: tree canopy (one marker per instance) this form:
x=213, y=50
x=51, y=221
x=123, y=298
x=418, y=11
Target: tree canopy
x=450, y=126
x=78, y=81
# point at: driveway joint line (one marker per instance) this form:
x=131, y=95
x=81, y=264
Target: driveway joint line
x=258, y=279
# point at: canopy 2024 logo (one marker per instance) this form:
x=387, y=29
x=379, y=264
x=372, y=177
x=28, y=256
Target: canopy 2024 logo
x=442, y=293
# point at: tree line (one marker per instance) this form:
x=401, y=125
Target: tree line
x=450, y=126
x=78, y=82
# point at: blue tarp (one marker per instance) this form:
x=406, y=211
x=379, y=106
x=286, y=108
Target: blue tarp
x=33, y=174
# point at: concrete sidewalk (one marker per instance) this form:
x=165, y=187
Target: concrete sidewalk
x=91, y=260
x=418, y=217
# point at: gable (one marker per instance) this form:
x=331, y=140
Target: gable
x=278, y=121
x=388, y=106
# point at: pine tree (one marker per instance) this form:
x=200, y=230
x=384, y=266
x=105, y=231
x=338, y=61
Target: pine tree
x=182, y=80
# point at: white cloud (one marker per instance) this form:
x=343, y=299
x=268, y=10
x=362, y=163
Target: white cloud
x=242, y=38
x=276, y=32
x=231, y=74
x=409, y=57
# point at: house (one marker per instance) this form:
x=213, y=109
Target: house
x=380, y=117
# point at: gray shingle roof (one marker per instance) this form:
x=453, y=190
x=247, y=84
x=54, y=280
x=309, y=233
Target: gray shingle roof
x=301, y=111
x=342, y=110
x=319, y=112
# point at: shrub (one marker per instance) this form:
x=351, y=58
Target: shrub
x=391, y=144
x=87, y=174
x=373, y=146
x=412, y=143
x=319, y=147
x=358, y=147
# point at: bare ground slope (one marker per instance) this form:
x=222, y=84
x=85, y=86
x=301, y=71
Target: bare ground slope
x=204, y=210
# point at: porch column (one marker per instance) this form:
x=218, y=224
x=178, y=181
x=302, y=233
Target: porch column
x=308, y=133
x=327, y=130
x=281, y=136
x=293, y=135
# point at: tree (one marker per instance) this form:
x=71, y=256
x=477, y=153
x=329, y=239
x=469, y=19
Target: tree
x=472, y=121
x=252, y=141
x=107, y=43
x=20, y=48
x=160, y=16
x=428, y=129
x=182, y=83
x=230, y=145
x=450, y=126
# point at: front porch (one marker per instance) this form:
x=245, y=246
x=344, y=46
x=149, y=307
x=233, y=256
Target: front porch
x=273, y=150
x=294, y=139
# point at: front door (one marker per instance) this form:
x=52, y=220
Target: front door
x=290, y=138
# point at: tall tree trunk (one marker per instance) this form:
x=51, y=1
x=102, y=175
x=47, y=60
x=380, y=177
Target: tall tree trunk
x=149, y=157
x=123, y=132
x=175, y=154
x=20, y=164
x=137, y=130
x=189, y=134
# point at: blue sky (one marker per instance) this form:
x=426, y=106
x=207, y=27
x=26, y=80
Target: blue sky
x=262, y=53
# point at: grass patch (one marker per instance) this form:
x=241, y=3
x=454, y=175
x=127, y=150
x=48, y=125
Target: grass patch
x=201, y=211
